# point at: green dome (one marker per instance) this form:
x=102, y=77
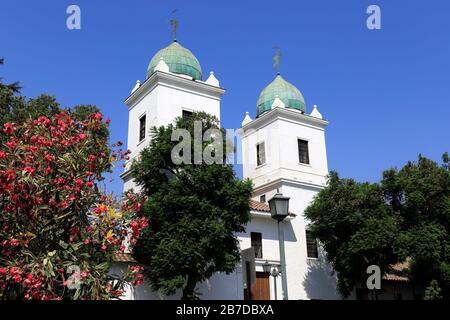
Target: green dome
x=288, y=93
x=179, y=59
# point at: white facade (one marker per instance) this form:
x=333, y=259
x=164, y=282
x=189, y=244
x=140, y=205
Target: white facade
x=279, y=129
x=161, y=99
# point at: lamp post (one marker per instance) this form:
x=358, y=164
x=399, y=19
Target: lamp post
x=272, y=269
x=279, y=210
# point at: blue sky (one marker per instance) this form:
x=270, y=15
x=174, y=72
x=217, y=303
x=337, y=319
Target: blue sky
x=385, y=92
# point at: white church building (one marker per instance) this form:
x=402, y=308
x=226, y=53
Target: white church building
x=283, y=149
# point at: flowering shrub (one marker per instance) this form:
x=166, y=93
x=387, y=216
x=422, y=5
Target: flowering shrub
x=58, y=233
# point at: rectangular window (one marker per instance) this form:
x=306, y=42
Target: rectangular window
x=142, y=128
x=186, y=114
x=256, y=239
x=311, y=245
x=303, y=153
x=262, y=198
x=260, y=153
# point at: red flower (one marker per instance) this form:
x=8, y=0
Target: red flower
x=98, y=116
x=136, y=268
x=92, y=158
x=14, y=271
x=3, y=271
x=137, y=206
x=79, y=182
x=108, y=121
x=9, y=128
x=14, y=242
x=18, y=279
x=143, y=223
x=11, y=144
x=2, y=154
x=82, y=136
x=90, y=184
x=28, y=170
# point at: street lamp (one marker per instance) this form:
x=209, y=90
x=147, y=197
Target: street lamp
x=279, y=210
x=273, y=271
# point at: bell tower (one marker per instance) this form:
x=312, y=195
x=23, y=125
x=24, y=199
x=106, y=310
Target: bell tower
x=174, y=87
x=284, y=149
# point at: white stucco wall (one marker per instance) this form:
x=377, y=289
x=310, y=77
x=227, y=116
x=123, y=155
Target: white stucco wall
x=162, y=98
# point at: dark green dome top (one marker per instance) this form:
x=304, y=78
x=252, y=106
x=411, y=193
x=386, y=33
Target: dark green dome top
x=287, y=92
x=179, y=59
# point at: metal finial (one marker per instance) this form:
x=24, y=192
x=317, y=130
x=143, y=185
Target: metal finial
x=174, y=24
x=276, y=59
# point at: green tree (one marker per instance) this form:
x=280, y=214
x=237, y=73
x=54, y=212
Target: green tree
x=404, y=216
x=194, y=212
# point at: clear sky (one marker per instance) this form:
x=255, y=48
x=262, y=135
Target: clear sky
x=385, y=92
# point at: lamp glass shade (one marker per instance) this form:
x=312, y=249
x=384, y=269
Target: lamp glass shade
x=266, y=266
x=279, y=206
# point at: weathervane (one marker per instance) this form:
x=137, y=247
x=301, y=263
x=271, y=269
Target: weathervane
x=174, y=24
x=276, y=59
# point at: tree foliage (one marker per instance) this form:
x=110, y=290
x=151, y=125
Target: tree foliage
x=194, y=212
x=58, y=233
x=406, y=216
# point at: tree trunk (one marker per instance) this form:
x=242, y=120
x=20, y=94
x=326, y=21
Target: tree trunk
x=189, y=289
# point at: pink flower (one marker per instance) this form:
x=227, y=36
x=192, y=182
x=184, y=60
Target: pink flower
x=9, y=128
x=92, y=158
x=29, y=170
x=108, y=121
x=90, y=184
x=14, y=271
x=98, y=116
x=87, y=241
x=82, y=136
x=11, y=144
x=2, y=154
x=18, y=279
x=3, y=271
x=84, y=274
x=27, y=282
x=103, y=247
x=136, y=268
x=14, y=242
x=137, y=206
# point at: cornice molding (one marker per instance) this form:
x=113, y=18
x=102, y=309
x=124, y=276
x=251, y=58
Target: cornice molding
x=175, y=81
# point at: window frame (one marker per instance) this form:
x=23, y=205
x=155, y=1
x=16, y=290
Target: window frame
x=258, y=164
x=183, y=111
x=308, y=243
x=258, y=236
x=142, y=128
x=308, y=158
